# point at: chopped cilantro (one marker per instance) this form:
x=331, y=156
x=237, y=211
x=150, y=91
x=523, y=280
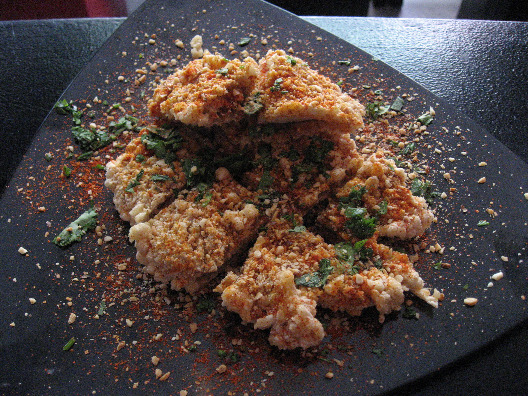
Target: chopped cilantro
x=344, y=62
x=378, y=92
x=348, y=254
x=64, y=107
x=126, y=123
x=159, y=178
x=276, y=85
x=140, y=158
x=408, y=149
x=409, y=313
x=292, y=61
x=223, y=71
x=296, y=226
x=100, y=167
x=163, y=142
x=253, y=104
x=69, y=344
x=438, y=265
x=483, y=223
x=375, y=109
x=465, y=287
x=102, y=308
x=359, y=224
x=48, y=157
x=383, y=207
x=89, y=139
x=355, y=197
x=423, y=189
x=221, y=353
x=134, y=183
x=425, y=119
x=398, y=104
x=340, y=83
x=319, y=278
x=84, y=156
x=66, y=171
x=77, y=229
x=204, y=193
x=378, y=352
x=244, y=41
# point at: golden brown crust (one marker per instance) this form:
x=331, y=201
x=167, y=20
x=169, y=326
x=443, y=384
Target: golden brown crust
x=292, y=91
x=208, y=91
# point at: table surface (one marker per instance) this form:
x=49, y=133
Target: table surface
x=480, y=67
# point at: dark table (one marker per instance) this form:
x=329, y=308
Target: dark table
x=480, y=67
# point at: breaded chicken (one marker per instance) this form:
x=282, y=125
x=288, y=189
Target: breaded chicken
x=299, y=160
x=208, y=91
x=187, y=242
x=379, y=280
x=382, y=183
x=265, y=292
x=291, y=91
x=141, y=182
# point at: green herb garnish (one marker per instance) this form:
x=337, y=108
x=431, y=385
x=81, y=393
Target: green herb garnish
x=408, y=149
x=319, y=278
x=163, y=142
x=425, y=119
x=409, y=313
x=69, y=344
x=48, y=157
x=253, y=105
x=140, y=158
x=244, y=41
x=223, y=71
x=398, y=104
x=266, y=180
x=66, y=171
x=423, y=189
x=159, y=178
x=73, y=233
x=135, y=182
x=375, y=109
x=102, y=308
x=292, y=61
x=359, y=224
x=378, y=352
x=276, y=85
x=84, y=156
x=344, y=62
x=483, y=223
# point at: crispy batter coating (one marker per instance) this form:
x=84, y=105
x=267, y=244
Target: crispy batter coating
x=265, y=292
x=291, y=91
x=208, y=91
x=193, y=237
x=136, y=194
x=303, y=161
x=407, y=216
x=382, y=285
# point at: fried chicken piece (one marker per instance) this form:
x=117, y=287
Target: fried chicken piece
x=379, y=281
x=299, y=160
x=190, y=240
x=265, y=292
x=381, y=182
x=291, y=91
x=208, y=91
x=141, y=182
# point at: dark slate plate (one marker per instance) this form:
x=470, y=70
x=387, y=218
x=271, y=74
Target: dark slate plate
x=77, y=279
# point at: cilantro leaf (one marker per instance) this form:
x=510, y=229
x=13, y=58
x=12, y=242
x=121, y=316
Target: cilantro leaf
x=425, y=119
x=397, y=105
x=318, y=278
x=135, y=182
x=253, y=104
x=73, y=233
